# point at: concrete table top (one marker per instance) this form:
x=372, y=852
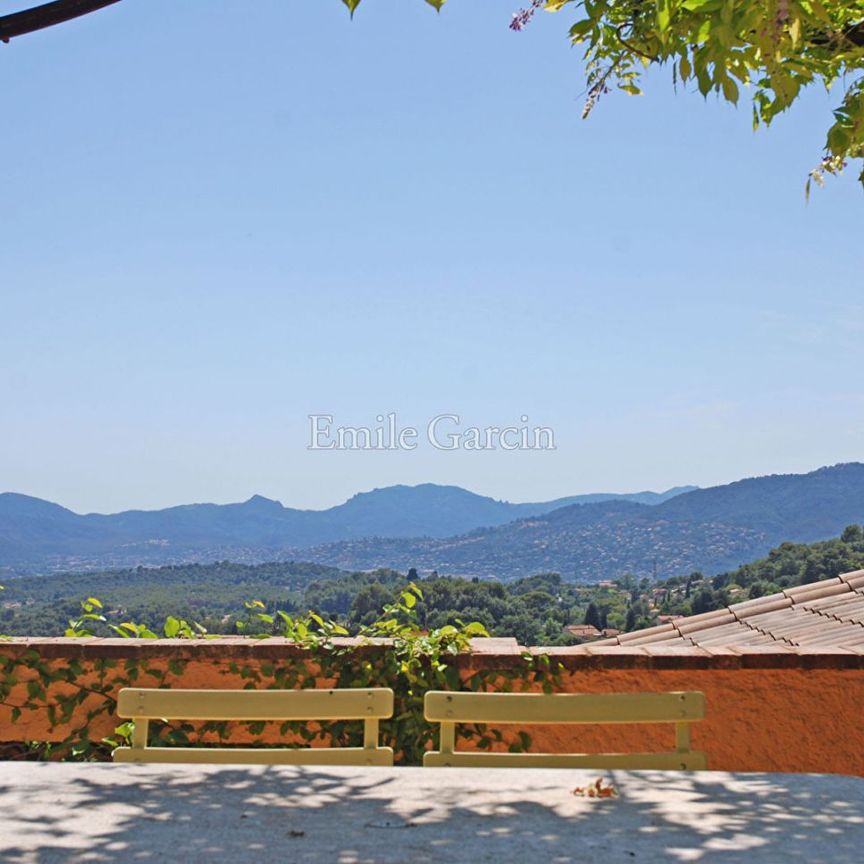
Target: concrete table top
x=143, y=813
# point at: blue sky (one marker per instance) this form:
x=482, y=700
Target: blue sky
x=220, y=217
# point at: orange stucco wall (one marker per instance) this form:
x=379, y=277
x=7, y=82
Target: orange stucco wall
x=766, y=711
x=791, y=720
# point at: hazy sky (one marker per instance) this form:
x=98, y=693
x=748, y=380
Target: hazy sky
x=219, y=217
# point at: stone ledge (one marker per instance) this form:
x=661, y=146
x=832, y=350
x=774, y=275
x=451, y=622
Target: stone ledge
x=485, y=653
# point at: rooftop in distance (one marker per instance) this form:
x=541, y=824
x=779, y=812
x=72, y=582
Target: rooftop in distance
x=823, y=615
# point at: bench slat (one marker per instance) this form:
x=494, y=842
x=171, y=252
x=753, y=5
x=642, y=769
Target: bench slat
x=443, y=707
x=255, y=704
x=257, y=756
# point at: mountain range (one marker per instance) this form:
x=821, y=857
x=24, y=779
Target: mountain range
x=38, y=534
x=454, y=531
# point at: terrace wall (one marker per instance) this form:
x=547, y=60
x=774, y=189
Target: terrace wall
x=768, y=709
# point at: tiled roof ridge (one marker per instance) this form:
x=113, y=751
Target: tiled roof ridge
x=741, y=612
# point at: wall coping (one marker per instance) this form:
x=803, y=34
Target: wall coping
x=485, y=653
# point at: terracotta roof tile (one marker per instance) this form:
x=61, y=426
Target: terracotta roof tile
x=733, y=638
x=851, y=610
x=855, y=578
x=672, y=637
x=627, y=638
x=822, y=604
x=719, y=618
x=767, y=620
x=757, y=607
x=760, y=605
x=835, y=638
x=823, y=615
x=825, y=588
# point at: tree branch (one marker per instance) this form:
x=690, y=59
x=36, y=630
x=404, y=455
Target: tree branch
x=630, y=46
x=47, y=15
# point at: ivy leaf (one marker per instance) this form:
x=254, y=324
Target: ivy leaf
x=475, y=628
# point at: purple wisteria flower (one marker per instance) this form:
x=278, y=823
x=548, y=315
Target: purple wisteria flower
x=523, y=16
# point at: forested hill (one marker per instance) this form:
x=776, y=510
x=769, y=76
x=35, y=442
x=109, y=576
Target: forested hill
x=710, y=530
x=38, y=535
x=535, y=610
x=800, y=507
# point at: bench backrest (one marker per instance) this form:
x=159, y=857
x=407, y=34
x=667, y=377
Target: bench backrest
x=369, y=705
x=450, y=709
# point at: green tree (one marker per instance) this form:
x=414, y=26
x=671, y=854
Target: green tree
x=773, y=48
x=368, y=603
x=694, y=577
x=852, y=534
x=705, y=601
x=592, y=616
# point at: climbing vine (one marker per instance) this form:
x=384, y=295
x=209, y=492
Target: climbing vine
x=393, y=651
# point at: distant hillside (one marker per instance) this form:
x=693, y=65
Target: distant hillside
x=785, y=566
x=38, y=535
x=535, y=610
x=206, y=593
x=711, y=530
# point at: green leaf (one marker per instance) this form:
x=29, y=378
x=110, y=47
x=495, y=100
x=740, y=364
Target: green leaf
x=664, y=16
x=452, y=677
x=795, y=31
x=730, y=90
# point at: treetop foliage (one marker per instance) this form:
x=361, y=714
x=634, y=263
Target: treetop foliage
x=773, y=48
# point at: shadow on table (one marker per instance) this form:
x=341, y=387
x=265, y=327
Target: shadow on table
x=302, y=815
